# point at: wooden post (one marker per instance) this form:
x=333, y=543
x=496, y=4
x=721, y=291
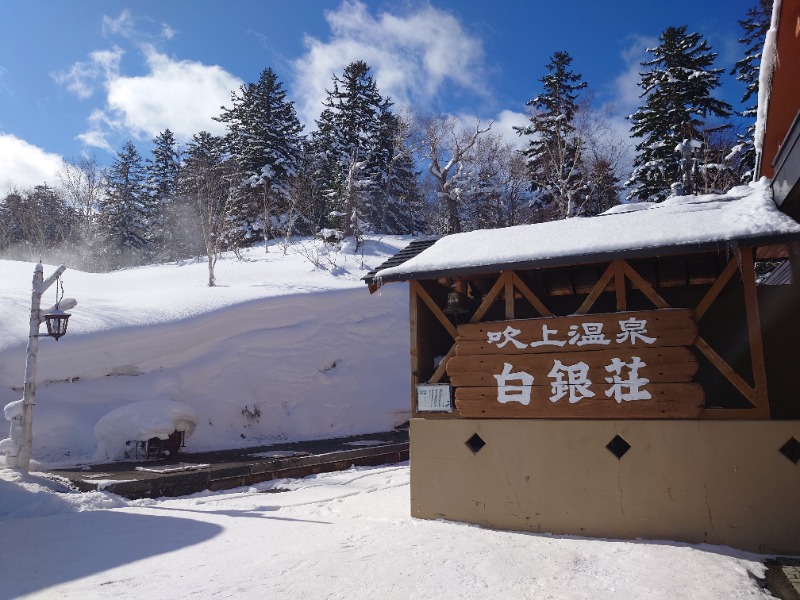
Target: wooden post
x=754, y=332
x=619, y=285
x=794, y=262
x=412, y=319
x=509, y=294
x=22, y=426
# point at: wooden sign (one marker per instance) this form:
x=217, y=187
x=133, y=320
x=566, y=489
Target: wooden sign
x=617, y=365
x=631, y=330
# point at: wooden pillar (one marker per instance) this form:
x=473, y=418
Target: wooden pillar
x=619, y=285
x=794, y=263
x=508, y=292
x=412, y=319
x=754, y=332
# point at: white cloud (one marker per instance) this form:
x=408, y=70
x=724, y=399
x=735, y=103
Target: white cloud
x=504, y=126
x=625, y=98
x=123, y=25
x=25, y=165
x=83, y=77
x=167, y=32
x=413, y=56
x=181, y=95
x=625, y=89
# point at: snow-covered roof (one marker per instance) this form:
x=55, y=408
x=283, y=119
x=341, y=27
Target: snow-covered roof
x=678, y=225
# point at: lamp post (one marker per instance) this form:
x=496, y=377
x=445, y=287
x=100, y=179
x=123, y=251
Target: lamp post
x=56, y=318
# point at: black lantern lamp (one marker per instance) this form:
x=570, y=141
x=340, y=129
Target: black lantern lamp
x=56, y=322
x=56, y=319
x=457, y=304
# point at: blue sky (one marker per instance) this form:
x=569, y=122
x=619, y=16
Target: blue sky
x=83, y=77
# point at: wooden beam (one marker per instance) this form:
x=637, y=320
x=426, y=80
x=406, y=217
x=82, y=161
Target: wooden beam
x=716, y=288
x=644, y=287
x=754, y=331
x=488, y=300
x=441, y=369
x=482, y=309
x=597, y=289
x=508, y=292
x=530, y=296
x=724, y=368
x=619, y=285
x=437, y=312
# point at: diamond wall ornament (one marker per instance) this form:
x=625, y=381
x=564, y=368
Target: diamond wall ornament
x=475, y=443
x=791, y=450
x=618, y=446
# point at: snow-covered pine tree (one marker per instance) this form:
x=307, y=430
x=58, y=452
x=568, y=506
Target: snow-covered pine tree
x=126, y=212
x=264, y=134
x=755, y=26
x=161, y=183
x=346, y=142
x=397, y=203
x=555, y=148
x=604, y=187
x=677, y=86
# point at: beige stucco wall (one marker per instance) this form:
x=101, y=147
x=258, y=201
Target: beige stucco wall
x=721, y=482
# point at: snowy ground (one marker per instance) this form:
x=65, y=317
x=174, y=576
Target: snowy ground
x=345, y=535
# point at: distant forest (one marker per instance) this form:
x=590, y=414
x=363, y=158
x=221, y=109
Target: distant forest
x=368, y=168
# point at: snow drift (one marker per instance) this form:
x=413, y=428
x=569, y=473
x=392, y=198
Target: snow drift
x=282, y=350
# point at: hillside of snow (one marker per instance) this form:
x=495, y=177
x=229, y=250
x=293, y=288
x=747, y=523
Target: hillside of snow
x=288, y=346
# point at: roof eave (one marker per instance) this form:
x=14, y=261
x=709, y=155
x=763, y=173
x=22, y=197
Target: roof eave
x=596, y=257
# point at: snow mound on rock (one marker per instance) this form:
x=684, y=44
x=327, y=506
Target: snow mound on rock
x=141, y=421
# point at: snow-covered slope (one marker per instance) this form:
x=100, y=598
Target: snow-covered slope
x=280, y=350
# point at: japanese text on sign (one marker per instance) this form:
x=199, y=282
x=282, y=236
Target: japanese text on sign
x=434, y=398
x=631, y=331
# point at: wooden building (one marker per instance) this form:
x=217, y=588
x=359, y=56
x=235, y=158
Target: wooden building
x=779, y=110
x=619, y=376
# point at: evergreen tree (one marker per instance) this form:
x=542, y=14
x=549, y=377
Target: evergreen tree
x=347, y=142
x=126, y=213
x=397, y=202
x=36, y=221
x=755, y=26
x=677, y=89
x=604, y=187
x=265, y=138
x=555, y=149
x=161, y=184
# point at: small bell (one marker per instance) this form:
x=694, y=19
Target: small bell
x=457, y=305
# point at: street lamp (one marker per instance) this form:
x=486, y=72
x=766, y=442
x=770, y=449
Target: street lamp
x=19, y=455
x=56, y=321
